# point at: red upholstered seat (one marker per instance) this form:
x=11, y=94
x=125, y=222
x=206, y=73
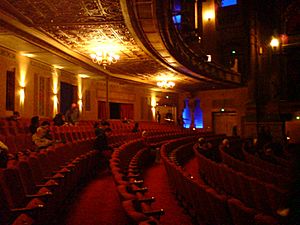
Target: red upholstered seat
x=240, y=214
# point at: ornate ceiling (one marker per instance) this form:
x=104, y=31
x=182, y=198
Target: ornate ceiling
x=81, y=24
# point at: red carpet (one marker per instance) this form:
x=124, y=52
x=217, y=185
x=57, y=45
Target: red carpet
x=97, y=204
x=157, y=182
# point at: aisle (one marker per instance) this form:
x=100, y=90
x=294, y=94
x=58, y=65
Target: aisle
x=157, y=182
x=192, y=168
x=97, y=204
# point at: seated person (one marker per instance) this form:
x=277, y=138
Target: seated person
x=34, y=124
x=206, y=149
x=101, y=144
x=201, y=143
x=59, y=120
x=42, y=138
x=268, y=154
x=135, y=128
x=234, y=151
x=4, y=156
x=125, y=120
x=15, y=116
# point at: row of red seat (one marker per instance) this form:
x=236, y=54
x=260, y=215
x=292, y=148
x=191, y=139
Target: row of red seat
x=256, y=194
x=126, y=165
x=263, y=164
x=255, y=171
x=39, y=183
x=203, y=202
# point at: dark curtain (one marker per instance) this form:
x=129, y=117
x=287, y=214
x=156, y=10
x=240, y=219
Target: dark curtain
x=10, y=90
x=126, y=110
x=114, y=109
x=66, y=96
x=102, y=110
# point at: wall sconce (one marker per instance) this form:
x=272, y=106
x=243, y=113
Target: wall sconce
x=208, y=58
x=79, y=102
x=55, y=104
x=22, y=95
x=260, y=50
x=209, y=15
x=274, y=43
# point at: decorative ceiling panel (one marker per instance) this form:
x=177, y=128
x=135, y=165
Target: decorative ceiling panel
x=81, y=24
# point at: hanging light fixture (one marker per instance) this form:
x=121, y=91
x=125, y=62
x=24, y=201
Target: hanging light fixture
x=165, y=84
x=105, y=54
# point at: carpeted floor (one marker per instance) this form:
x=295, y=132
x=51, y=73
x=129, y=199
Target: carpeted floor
x=157, y=182
x=97, y=204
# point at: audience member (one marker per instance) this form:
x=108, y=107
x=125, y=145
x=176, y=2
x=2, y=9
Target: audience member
x=72, y=115
x=225, y=146
x=206, y=149
x=42, y=138
x=59, y=120
x=101, y=143
x=234, y=151
x=15, y=116
x=169, y=117
x=158, y=116
x=4, y=156
x=201, y=144
x=125, y=120
x=264, y=136
x=34, y=124
x=268, y=154
x=135, y=128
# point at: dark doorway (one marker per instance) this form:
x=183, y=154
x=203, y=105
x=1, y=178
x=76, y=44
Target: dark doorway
x=10, y=90
x=115, y=112
x=68, y=95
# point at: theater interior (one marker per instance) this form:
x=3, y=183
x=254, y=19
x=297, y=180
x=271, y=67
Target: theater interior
x=213, y=87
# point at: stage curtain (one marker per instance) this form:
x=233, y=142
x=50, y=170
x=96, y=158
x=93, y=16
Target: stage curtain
x=126, y=111
x=102, y=110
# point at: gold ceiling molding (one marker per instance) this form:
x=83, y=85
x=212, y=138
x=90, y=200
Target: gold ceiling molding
x=67, y=28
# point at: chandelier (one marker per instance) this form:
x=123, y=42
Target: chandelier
x=105, y=54
x=104, y=58
x=165, y=84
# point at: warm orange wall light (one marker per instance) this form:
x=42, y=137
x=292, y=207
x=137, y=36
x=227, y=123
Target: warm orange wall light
x=23, y=63
x=209, y=15
x=55, y=76
x=153, y=105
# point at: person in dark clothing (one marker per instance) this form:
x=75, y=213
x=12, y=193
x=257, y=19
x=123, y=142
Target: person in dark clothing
x=101, y=144
x=4, y=156
x=34, y=124
x=206, y=149
x=72, y=115
x=158, y=116
x=135, y=128
x=59, y=120
x=15, y=116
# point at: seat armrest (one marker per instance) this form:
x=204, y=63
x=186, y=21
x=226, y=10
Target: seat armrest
x=137, y=182
x=24, y=210
x=47, y=185
x=133, y=176
x=48, y=193
x=158, y=213
x=146, y=200
x=142, y=190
